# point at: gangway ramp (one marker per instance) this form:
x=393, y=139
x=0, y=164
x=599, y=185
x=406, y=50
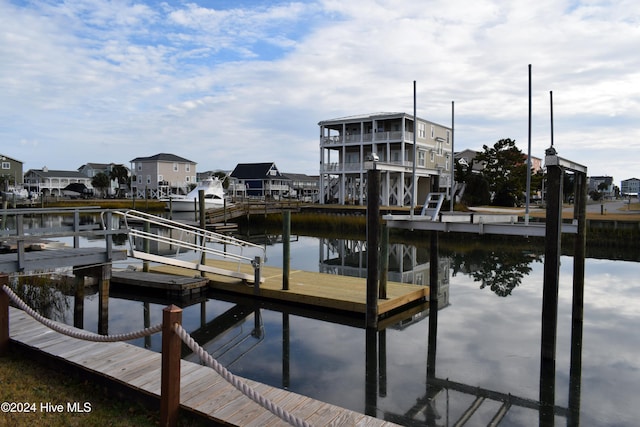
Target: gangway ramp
x=184, y=237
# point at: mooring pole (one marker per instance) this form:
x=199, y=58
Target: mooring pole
x=286, y=248
x=577, y=307
x=550, y=288
x=203, y=226
x=384, y=262
x=373, y=231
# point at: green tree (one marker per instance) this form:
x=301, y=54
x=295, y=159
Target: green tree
x=505, y=171
x=120, y=174
x=101, y=182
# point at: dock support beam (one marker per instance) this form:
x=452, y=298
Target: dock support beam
x=286, y=248
x=170, y=380
x=373, y=231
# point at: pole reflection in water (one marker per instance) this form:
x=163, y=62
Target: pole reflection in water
x=321, y=354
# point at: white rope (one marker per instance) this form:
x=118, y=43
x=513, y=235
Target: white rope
x=236, y=382
x=76, y=333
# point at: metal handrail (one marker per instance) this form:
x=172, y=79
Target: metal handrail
x=198, y=237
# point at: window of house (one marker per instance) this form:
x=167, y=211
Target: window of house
x=422, y=130
x=139, y=166
x=6, y=165
x=446, y=162
x=187, y=179
x=448, y=137
x=433, y=132
x=139, y=179
x=148, y=179
x=175, y=167
x=432, y=156
x=187, y=168
x=421, y=158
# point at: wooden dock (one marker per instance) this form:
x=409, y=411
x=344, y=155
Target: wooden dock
x=202, y=391
x=171, y=284
x=319, y=290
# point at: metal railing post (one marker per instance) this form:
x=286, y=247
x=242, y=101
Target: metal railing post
x=170, y=377
x=4, y=315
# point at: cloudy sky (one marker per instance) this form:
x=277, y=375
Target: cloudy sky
x=225, y=82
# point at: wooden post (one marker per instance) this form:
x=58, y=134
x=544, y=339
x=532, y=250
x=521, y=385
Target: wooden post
x=203, y=226
x=373, y=231
x=577, y=307
x=104, y=279
x=286, y=248
x=4, y=315
x=384, y=262
x=170, y=377
x=550, y=290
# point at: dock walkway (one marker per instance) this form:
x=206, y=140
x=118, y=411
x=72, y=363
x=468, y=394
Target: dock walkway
x=202, y=390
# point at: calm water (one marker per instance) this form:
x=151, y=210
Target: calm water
x=488, y=339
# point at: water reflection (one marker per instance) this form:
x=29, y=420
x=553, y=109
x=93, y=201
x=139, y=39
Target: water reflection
x=476, y=359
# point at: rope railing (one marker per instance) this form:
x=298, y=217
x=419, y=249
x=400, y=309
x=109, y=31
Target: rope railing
x=236, y=382
x=76, y=333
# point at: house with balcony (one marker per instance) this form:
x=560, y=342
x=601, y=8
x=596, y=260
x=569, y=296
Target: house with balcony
x=162, y=175
x=93, y=169
x=48, y=182
x=258, y=180
x=345, y=144
x=630, y=187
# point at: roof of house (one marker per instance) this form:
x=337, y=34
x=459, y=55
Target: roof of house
x=371, y=116
x=3, y=157
x=255, y=171
x=49, y=173
x=162, y=157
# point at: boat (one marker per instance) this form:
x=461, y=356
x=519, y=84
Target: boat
x=213, y=197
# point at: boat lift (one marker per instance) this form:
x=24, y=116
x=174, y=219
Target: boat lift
x=189, y=238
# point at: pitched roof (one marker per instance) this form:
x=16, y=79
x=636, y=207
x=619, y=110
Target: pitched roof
x=255, y=171
x=48, y=173
x=162, y=157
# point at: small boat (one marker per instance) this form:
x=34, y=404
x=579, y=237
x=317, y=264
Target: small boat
x=213, y=197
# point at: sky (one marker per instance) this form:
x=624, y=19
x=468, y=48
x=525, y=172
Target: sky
x=227, y=82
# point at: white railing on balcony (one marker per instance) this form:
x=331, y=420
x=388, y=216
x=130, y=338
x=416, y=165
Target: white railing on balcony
x=367, y=137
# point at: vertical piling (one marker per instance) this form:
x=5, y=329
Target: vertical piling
x=104, y=279
x=373, y=231
x=203, y=226
x=577, y=307
x=170, y=376
x=550, y=289
x=286, y=248
x=384, y=261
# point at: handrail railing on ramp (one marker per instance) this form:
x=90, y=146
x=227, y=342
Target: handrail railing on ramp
x=190, y=239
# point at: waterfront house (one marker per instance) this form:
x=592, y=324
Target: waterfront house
x=346, y=143
x=260, y=180
x=10, y=173
x=601, y=184
x=162, y=175
x=93, y=169
x=629, y=187
x=52, y=182
x=303, y=187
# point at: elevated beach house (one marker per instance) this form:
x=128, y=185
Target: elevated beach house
x=347, y=142
x=258, y=180
x=161, y=175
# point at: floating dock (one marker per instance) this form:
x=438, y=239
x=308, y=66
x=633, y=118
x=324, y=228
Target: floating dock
x=318, y=290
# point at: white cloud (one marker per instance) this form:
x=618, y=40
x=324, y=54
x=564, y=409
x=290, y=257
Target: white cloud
x=124, y=79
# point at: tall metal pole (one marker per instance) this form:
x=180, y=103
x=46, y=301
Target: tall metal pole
x=528, y=194
x=453, y=162
x=415, y=129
